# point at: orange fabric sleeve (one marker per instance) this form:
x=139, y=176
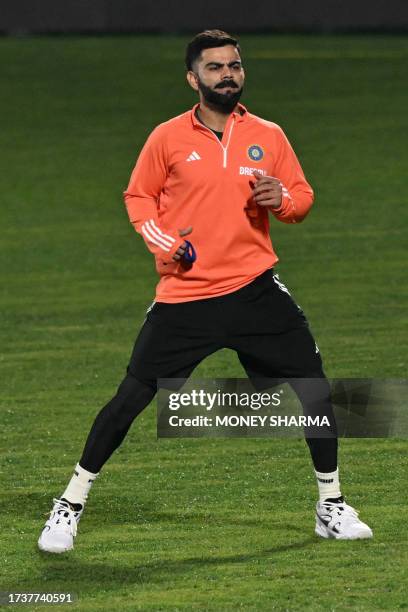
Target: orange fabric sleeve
x=297, y=194
x=142, y=198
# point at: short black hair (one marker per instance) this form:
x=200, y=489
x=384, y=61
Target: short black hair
x=208, y=40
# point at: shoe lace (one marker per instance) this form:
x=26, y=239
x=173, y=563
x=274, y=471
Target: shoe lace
x=62, y=509
x=343, y=508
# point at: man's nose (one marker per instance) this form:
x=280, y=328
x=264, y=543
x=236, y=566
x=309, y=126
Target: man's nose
x=226, y=72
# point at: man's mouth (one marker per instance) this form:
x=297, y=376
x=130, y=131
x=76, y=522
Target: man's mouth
x=226, y=86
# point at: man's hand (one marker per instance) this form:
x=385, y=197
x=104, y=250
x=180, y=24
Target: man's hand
x=182, y=249
x=267, y=190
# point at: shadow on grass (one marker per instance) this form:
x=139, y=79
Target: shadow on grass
x=145, y=516
x=94, y=574
x=37, y=506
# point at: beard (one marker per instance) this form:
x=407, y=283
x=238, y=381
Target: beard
x=219, y=101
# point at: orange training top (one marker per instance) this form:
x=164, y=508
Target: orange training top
x=186, y=176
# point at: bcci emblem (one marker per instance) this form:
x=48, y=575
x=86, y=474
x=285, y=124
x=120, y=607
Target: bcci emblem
x=255, y=152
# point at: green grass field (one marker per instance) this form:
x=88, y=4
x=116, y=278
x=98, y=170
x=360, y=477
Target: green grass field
x=194, y=524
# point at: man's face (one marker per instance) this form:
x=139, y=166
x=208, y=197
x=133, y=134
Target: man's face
x=219, y=77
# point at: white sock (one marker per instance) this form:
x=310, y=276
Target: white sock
x=79, y=486
x=328, y=483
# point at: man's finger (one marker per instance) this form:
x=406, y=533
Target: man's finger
x=180, y=251
x=265, y=180
x=274, y=202
x=268, y=196
x=258, y=175
x=266, y=189
x=267, y=186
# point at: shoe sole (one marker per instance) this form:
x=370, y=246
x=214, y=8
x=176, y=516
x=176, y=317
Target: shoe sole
x=56, y=551
x=326, y=533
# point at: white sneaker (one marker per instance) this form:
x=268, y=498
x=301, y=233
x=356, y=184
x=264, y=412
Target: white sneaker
x=340, y=521
x=60, y=529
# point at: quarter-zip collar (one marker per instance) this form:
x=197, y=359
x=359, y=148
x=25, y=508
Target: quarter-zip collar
x=239, y=116
x=234, y=117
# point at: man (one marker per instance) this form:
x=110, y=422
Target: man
x=215, y=174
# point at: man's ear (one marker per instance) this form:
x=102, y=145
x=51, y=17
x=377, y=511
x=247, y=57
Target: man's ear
x=192, y=80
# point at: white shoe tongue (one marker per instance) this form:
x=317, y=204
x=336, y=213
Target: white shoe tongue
x=335, y=500
x=74, y=507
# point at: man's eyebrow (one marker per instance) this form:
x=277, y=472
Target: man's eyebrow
x=220, y=64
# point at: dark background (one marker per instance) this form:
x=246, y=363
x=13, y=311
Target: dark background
x=26, y=16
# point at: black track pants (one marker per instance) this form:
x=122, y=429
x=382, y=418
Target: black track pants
x=260, y=321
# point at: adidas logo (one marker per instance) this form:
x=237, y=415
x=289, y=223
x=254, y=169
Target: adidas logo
x=193, y=156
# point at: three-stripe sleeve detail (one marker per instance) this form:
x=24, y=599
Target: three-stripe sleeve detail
x=286, y=194
x=155, y=235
